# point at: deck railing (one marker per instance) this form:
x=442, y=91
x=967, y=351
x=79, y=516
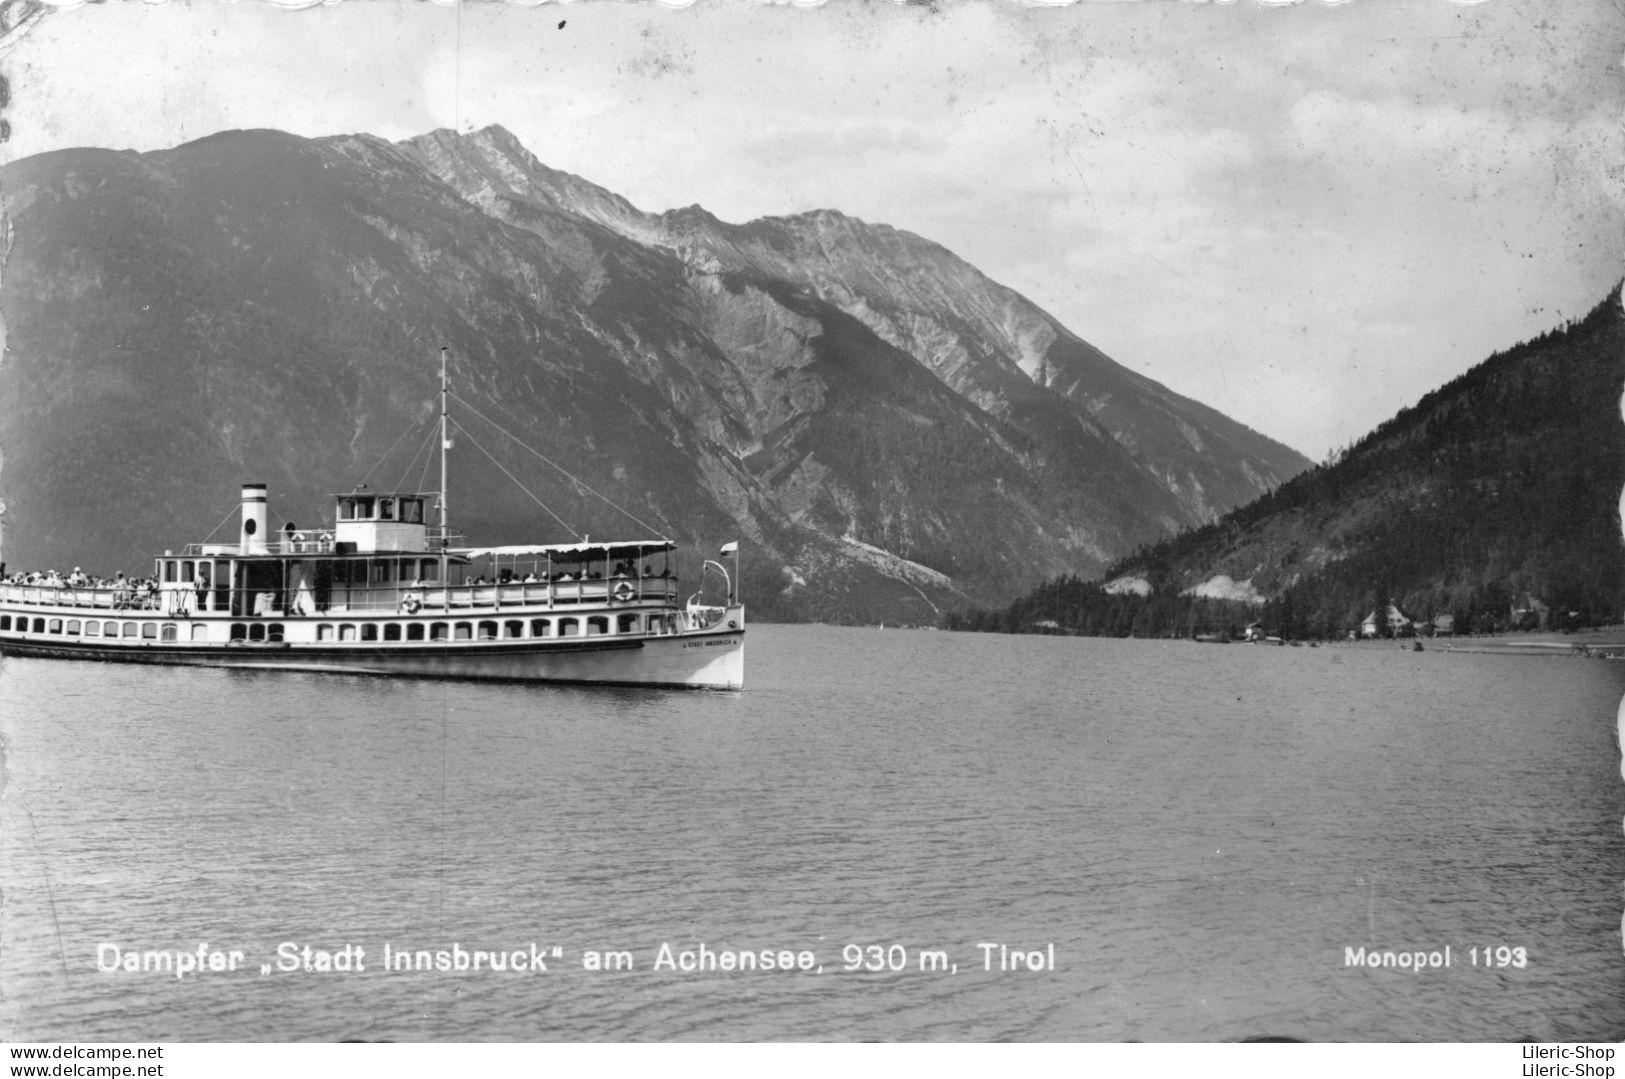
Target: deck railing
x=435, y=597
x=315, y=541
x=392, y=598
x=113, y=599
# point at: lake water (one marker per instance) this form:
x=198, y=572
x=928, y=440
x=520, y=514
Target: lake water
x=1199, y=832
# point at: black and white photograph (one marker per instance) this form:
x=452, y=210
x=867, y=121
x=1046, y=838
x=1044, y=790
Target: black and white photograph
x=739, y=522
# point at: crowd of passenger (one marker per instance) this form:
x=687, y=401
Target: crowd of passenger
x=142, y=592
x=137, y=592
x=624, y=571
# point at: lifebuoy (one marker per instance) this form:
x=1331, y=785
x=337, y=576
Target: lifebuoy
x=411, y=604
x=623, y=591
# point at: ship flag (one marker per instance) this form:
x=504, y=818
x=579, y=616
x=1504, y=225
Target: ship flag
x=730, y=548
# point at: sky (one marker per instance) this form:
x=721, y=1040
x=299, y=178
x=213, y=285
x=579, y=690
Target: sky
x=1306, y=215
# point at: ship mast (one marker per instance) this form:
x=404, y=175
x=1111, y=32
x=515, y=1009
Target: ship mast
x=445, y=444
x=445, y=441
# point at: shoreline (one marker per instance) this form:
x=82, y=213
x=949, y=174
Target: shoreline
x=1606, y=643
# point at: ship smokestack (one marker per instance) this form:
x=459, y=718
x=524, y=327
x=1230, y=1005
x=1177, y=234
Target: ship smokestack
x=254, y=536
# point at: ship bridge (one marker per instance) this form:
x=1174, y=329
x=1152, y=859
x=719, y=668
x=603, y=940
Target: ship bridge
x=367, y=523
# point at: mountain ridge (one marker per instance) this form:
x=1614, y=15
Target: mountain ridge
x=261, y=301
x=929, y=323
x=1495, y=493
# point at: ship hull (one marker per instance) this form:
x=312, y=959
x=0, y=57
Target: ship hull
x=711, y=659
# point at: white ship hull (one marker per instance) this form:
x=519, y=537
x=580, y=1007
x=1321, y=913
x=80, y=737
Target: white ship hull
x=712, y=658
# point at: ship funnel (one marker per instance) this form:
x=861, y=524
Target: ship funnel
x=254, y=536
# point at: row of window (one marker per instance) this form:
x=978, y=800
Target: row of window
x=340, y=572
x=508, y=630
x=381, y=509
x=152, y=631
x=490, y=630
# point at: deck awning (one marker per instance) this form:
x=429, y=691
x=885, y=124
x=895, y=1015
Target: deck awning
x=622, y=548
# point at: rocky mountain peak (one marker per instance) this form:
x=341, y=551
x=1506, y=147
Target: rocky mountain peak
x=491, y=163
x=892, y=430
x=691, y=217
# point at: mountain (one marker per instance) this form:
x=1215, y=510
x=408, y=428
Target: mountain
x=889, y=431
x=983, y=340
x=1494, y=500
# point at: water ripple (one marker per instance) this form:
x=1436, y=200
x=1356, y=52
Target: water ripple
x=1199, y=832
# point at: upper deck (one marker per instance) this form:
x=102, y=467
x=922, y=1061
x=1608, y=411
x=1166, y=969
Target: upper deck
x=365, y=523
x=379, y=557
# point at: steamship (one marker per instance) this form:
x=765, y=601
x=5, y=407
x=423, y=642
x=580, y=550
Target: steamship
x=384, y=593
